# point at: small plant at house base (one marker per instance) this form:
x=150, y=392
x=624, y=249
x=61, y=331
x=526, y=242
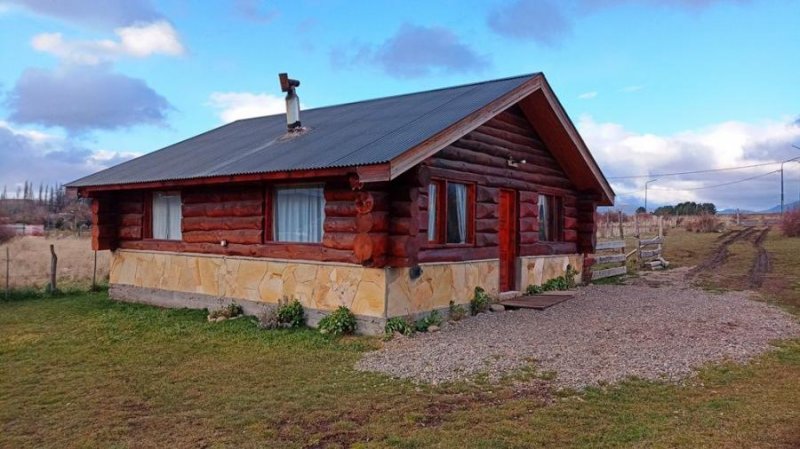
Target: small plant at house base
x=268, y=319
x=340, y=322
x=479, y=302
x=534, y=290
x=433, y=319
x=565, y=282
x=399, y=325
x=232, y=310
x=457, y=311
x=291, y=314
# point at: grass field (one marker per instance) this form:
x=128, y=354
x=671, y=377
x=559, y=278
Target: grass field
x=30, y=262
x=84, y=371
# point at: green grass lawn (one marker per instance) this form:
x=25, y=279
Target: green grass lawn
x=83, y=371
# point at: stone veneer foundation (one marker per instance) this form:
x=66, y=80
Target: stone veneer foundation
x=372, y=294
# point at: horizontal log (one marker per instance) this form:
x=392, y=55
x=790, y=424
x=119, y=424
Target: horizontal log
x=130, y=232
x=528, y=210
x=130, y=207
x=338, y=240
x=288, y=251
x=340, y=209
x=484, y=210
x=243, y=236
x=527, y=196
x=570, y=223
x=534, y=158
x=104, y=231
x=189, y=224
x=103, y=244
x=362, y=247
x=338, y=194
x=130, y=219
x=105, y=219
x=486, y=239
x=570, y=235
x=404, y=226
x=222, y=196
x=527, y=237
x=230, y=209
x=529, y=224
x=403, y=246
x=487, y=225
x=457, y=254
x=462, y=151
x=547, y=248
x=487, y=195
x=517, y=173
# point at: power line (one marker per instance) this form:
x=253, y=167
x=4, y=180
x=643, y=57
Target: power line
x=712, y=170
x=723, y=184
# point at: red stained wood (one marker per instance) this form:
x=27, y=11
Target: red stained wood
x=340, y=209
x=362, y=247
x=547, y=248
x=222, y=195
x=338, y=240
x=488, y=195
x=242, y=236
x=250, y=208
x=130, y=232
x=486, y=239
x=364, y=202
x=457, y=254
x=221, y=223
x=486, y=225
x=484, y=210
x=288, y=251
x=130, y=219
x=570, y=235
x=507, y=240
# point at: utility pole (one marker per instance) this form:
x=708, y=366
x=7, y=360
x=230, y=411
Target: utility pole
x=788, y=160
x=645, y=192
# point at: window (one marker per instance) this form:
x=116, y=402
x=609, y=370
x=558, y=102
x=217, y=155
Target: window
x=549, y=218
x=299, y=214
x=167, y=215
x=449, y=212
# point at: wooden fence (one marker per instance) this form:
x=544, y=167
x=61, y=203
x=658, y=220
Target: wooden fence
x=612, y=252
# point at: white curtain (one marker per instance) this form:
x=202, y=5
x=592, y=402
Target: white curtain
x=457, y=213
x=432, y=202
x=544, y=218
x=299, y=214
x=167, y=215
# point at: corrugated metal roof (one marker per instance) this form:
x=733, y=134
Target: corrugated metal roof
x=353, y=134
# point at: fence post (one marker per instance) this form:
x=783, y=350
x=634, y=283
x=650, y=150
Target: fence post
x=94, y=273
x=621, y=232
x=8, y=271
x=53, y=264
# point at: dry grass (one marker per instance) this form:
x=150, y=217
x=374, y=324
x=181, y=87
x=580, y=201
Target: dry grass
x=30, y=261
x=683, y=248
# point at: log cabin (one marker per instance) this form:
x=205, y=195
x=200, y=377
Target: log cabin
x=394, y=206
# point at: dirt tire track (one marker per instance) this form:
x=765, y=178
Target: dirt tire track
x=720, y=254
x=761, y=263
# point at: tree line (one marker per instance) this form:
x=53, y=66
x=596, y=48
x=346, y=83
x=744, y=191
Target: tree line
x=687, y=208
x=49, y=205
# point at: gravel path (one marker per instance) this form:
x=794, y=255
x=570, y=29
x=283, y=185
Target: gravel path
x=603, y=335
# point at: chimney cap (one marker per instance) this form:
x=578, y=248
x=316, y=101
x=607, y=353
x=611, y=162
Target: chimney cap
x=287, y=83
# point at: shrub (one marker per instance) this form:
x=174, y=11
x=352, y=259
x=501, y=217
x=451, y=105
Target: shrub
x=569, y=276
x=479, y=302
x=340, y=322
x=6, y=233
x=457, y=311
x=790, y=225
x=534, y=290
x=230, y=311
x=704, y=223
x=291, y=313
x=398, y=324
x=269, y=319
x=433, y=319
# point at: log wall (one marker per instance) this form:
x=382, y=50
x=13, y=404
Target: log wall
x=481, y=157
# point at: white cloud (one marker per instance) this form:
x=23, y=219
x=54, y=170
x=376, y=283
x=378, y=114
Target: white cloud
x=233, y=106
x=139, y=41
x=30, y=155
x=631, y=89
x=587, y=95
x=622, y=152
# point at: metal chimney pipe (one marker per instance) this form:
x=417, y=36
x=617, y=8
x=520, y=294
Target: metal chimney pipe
x=288, y=85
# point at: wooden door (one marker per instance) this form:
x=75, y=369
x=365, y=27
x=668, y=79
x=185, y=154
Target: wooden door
x=507, y=237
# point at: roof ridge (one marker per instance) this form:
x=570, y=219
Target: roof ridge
x=438, y=89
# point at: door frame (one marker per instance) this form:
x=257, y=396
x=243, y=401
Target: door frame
x=509, y=246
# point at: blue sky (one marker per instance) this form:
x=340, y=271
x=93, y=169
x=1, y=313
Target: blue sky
x=653, y=85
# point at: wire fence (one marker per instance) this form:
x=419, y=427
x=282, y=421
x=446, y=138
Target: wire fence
x=28, y=263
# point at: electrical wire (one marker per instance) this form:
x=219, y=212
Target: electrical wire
x=723, y=184
x=711, y=170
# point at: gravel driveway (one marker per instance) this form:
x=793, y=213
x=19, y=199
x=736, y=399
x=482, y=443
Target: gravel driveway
x=603, y=335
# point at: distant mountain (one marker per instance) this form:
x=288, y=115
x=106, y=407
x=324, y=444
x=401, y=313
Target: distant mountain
x=777, y=209
x=733, y=211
